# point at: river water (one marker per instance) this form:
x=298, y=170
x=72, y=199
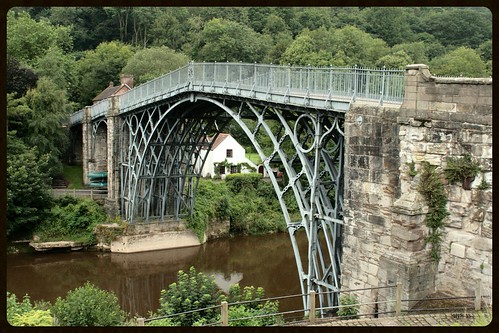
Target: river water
x=137, y=279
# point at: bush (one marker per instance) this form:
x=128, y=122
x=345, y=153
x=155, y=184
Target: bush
x=351, y=307
x=72, y=219
x=32, y=318
x=251, y=309
x=88, y=306
x=15, y=308
x=191, y=291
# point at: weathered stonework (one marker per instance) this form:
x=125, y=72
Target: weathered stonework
x=384, y=213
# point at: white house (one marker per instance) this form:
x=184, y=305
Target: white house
x=226, y=156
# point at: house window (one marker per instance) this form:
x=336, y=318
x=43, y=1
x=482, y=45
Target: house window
x=229, y=152
x=233, y=169
x=222, y=169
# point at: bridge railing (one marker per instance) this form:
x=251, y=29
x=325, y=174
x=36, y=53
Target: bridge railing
x=326, y=83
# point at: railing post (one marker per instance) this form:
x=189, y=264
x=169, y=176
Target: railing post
x=74, y=193
x=382, y=86
x=478, y=295
x=398, y=304
x=92, y=193
x=140, y=322
x=311, y=306
x=225, y=313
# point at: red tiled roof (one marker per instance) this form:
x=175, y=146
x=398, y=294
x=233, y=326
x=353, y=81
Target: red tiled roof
x=221, y=137
x=108, y=92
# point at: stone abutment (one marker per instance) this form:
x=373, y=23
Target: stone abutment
x=385, y=233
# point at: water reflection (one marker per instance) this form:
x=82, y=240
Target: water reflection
x=138, y=278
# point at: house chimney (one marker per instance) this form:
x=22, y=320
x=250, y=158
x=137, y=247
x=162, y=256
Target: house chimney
x=111, y=84
x=127, y=79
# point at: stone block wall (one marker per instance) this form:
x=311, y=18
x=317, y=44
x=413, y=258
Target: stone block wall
x=371, y=184
x=384, y=234
x=450, y=117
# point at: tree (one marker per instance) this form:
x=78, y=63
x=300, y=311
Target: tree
x=358, y=46
x=460, y=26
x=460, y=62
x=417, y=51
x=59, y=67
x=90, y=26
x=88, y=306
x=27, y=186
x=19, y=78
x=27, y=39
x=225, y=40
x=398, y=59
x=388, y=23
x=50, y=111
x=150, y=63
x=167, y=30
x=100, y=66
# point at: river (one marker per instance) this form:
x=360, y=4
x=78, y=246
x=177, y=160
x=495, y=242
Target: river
x=137, y=279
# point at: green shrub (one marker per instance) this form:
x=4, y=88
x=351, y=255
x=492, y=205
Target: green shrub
x=433, y=191
x=72, y=219
x=351, y=307
x=191, y=291
x=251, y=309
x=459, y=168
x=241, y=182
x=88, y=306
x=32, y=318
x=15, y=308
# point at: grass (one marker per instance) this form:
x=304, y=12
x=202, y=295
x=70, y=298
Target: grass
x=74, y=175
x=253, y=157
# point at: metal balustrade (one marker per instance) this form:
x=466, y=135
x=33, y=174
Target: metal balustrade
x=318, y=87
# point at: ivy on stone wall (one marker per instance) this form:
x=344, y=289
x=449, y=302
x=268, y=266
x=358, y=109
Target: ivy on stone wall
x=433, y=191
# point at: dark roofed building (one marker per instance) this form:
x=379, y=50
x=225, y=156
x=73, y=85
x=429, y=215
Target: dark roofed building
x=126, y=83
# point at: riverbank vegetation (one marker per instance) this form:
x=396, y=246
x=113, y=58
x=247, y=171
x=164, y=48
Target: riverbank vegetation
x=246, y=200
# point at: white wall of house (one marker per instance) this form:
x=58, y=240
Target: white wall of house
x=220, y=154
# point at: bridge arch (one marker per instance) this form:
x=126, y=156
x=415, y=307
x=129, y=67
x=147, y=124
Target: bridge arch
x=161, y=168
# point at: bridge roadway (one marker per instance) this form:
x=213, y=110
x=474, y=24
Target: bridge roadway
x=156, y=133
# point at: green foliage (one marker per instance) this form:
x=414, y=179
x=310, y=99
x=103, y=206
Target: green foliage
x=19, y=78
x=27, y=186
x=33, y=318
x=226, y=40
x=433, y=191
x=147, y=64
x=74, y=175
x=350, y=307
x=459, y=168
x=15, y=308
x=462, y=61
x=72, y=219
x=243, y=182
x=24, y=313
x=412, y=169
x=28, y=39
x=191, y=291
x=50, y=110
x=88, y=306
x=209, y=197
x=254, y=208
x=100, y=66
x=251, y=309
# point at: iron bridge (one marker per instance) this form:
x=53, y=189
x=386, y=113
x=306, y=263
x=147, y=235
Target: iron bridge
x=294, y=117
